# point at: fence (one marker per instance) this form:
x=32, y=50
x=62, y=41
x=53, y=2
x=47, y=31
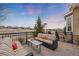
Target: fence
x=18, y=35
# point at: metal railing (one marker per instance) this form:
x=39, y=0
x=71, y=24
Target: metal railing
x=17, y=35
x=71, y=36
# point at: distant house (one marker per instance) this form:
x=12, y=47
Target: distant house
x=72, y=21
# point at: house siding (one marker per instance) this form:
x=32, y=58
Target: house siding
x=76, y=21
x=76, y=24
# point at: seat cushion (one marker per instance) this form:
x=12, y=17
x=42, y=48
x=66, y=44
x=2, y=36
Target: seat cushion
x=7, y=41
x=6, y=50
x=47, y=36
x=47, y=41
x=19, y=46
x=5, y=53
x=21, y=52
x=40, y=39
x=43, y=36
x=51, y=37
x=40, y=34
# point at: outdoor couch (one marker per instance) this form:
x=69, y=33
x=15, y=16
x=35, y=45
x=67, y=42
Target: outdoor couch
x=49, y=40
x=6, y=48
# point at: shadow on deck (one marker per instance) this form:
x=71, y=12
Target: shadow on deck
x=64, y=49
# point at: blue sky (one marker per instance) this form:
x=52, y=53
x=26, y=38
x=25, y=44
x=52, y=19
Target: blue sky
x=26, y=14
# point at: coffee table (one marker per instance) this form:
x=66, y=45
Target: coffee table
x=36, y=43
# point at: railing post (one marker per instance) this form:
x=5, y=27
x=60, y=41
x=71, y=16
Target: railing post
x=10, y=35
x=72, y=37
x=2, y=37
x=26, y=37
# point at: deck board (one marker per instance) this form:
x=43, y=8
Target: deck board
x=64, y=49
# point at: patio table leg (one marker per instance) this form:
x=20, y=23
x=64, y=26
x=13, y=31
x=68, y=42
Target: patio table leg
x=29, y=44
x=39, y=48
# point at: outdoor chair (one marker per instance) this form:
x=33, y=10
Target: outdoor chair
x=6, y=48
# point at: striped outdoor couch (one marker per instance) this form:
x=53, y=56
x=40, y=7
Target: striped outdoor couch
x=48, y=40
x=7, y=50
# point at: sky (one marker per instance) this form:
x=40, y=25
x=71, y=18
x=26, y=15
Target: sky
x=26, y=14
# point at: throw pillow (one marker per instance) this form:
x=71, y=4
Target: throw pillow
x=14, y=45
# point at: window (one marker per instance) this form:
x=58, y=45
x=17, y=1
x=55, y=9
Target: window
x=69, y=24
x=69, y=28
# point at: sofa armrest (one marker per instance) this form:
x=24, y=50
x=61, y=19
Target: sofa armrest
x=21, y=52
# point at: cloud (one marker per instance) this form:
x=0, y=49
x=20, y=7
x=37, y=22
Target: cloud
x=31, y=9
x=56, y=21
x=52, y=6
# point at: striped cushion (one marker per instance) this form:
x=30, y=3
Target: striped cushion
x=6, y=47
x=21, y=52
x=7, y=41
x=19, y=46
x=5, y=53
x=51, y=37
x=6, y=50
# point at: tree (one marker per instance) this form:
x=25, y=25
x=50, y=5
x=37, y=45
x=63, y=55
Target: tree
x=38, y=27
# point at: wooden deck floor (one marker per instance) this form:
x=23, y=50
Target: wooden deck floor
x=64, y=49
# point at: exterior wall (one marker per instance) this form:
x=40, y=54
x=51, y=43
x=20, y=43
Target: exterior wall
x=76, y=39
x=76, y=24
x=72, y=23
x=76, y=21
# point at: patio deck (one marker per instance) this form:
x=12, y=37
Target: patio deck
x=64, y=49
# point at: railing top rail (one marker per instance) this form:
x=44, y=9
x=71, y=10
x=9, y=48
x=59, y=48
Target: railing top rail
x=14, y=33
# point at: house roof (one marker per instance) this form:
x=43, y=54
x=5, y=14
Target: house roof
x=72, y=6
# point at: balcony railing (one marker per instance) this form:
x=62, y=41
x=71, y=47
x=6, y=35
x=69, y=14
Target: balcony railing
x=24, y=35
